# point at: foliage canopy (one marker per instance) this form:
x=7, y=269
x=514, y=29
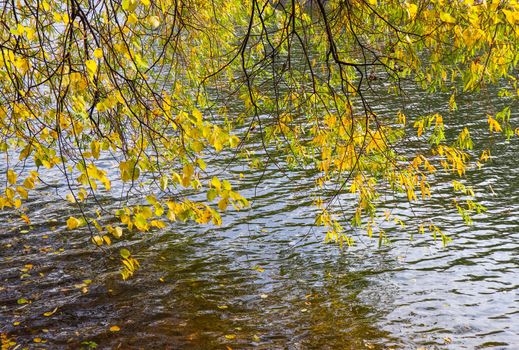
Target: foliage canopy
x=149, y=84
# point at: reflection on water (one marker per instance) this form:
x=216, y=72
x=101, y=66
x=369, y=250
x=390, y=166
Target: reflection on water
x=265, y=279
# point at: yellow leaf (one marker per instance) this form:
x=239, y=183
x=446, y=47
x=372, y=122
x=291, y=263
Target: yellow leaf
x=154, y=21
x=230, y=336
x=98, y=240
x=9, y=193
x=115, y=329
x=493, y=124
x=158, y=223
x=107, y=240
x=215, y=182
x=98, y=53
x=129, y=5
x=28, y=183
x=19, y=31
x=26, y=219
x=446, y=17
x=258, y=268
x=50, y=313
x=91, y=67
x=95, y=148
x=117, y=232
x=30, y=33
x=132, y=19
x=22, y=192
x=234, y=141
x=412, y=9
x=17, y=203
x=72, y=223
x=198, y=115
x=222, y=204
x=11, y=176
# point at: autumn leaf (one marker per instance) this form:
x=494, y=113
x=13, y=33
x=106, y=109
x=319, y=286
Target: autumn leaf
x=115, y=328
x=50, y=313
x=73, y=223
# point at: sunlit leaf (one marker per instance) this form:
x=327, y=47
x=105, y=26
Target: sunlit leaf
x=73, y=223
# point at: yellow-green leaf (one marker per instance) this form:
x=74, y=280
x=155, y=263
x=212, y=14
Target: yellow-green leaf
x=446, y=17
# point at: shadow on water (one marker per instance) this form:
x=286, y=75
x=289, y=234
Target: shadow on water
x=199, y=289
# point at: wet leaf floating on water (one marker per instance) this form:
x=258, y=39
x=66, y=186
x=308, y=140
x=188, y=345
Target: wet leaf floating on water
x=115, y=328
x=258, y=268
x=89, y=344
x=27, y=267
x=50, y=313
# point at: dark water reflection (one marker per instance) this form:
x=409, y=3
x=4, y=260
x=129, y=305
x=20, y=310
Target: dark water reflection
x=265, y=279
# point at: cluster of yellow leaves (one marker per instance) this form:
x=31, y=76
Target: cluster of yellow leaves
x=15, y=192
x=6, y=342
x=91, y=174
x=335, y=231
x=223, y=189
x=141, y=97
x=130, y=265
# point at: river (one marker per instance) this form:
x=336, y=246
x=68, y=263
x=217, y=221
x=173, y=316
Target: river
x=266, y=280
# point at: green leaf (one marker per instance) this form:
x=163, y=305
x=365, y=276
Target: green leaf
x=211, y=194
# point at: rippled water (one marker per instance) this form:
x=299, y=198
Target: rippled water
x=266, y=280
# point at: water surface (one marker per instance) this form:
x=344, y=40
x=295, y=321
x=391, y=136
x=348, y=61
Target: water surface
x=266, y=280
